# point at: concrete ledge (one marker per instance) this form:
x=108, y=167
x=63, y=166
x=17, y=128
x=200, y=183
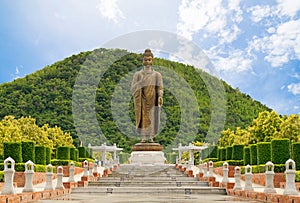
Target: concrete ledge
x=33, y=196
x=260, y=196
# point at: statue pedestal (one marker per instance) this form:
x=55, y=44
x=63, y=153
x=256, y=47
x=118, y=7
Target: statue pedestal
x=147, y=154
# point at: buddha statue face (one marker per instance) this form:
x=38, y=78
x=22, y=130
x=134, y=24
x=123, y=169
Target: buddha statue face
x=147, y=61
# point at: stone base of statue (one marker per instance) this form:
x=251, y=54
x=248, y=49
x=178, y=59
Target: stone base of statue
x=147, y=154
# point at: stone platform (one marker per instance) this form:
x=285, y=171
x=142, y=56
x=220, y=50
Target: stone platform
x=147, y=147
x=147, y=154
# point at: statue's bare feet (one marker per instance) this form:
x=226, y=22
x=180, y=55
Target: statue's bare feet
x=151, y=140
x=143, y=141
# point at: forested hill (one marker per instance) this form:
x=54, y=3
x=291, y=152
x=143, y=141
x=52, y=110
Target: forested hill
x=47, y=94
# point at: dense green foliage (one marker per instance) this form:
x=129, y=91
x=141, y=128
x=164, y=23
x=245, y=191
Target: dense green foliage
x=280, y=150
x=296, y=154
x=28, y=151
x=222, y=154
x=246, y=155
x=213, y=151
x=228, y=153
x=63, y=153
x=263, y=152
x=48, y=155
x=253, y=154
x=13, y=150
x=40, y=155
x=237, y=152
x=46, y=95
x=82, y=152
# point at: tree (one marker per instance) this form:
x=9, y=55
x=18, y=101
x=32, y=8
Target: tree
x=290, y=128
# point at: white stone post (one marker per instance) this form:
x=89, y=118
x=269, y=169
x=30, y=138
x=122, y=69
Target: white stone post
x=96, y=166
x=205, y=170
x=269, y=178
x=90, y=170
x=201, y=166
x=290, y=175
x=29, y=172
x=49, y=175
x=115, y=153
x=85, y=168
x=60, y=175
x=248, y=175
x=191, y=160
x=225, y=173
x=71, y=172
x=104, y=155
x=9, y=172
x=237, y=178
x=211, y=168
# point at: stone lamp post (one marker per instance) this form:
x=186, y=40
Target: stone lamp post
x=9, y=172
x=269, y=178
x=29, y=172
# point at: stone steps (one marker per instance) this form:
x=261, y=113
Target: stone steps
x=147, y=184
x=151, y=190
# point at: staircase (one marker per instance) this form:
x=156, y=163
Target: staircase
x=158, y=179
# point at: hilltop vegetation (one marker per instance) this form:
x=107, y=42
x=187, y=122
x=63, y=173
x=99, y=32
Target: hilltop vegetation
x=49, y=94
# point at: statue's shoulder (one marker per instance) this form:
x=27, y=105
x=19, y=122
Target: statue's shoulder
x=157, y=73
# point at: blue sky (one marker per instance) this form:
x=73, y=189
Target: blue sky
x=254, y=45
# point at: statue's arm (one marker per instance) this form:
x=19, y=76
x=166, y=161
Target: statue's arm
x=160, y=89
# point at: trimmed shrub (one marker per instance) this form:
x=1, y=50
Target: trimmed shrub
x=230, y=163
x=280, y=150
x=89, y=153
x=48, y=155
x=1, y=176
x=82, y=152
x=72, y=154
x=263, y=152
x=171, y=157
x=20, y=167
x=229, y=153
x=88, y=159
x=76, y=154
x=246, y=155
x=253, y=154
x=60, y=162
x=63, y=153
x=40, y=155
x=213, y=151
x=296, y=154
x=124, y=157
x=204, y=153
x=223, y=154
x=13, y=150
x=210, y=159
x=28, y=151
x=237, y=152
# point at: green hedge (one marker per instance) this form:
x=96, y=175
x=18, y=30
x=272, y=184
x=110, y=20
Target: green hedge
x=296, y=154
x=82, y=152
x=48, y=155
x=40, y=155
x=89, y=153
x=63, y=153
x=28, y=152
x=237, y=152
x=171, y=157
x=280, y=150
x=73, y=153
x=213, y=152
x=20, y=167
x=60, y=162
x=13, y=150
x=210, y=159
x=223, y=154
x=253, y=154
x=263, y=152
x=1, y=176
x=246, y=155
x=230, y=163
x=204, y=153
x=124, y=157
x=229, y=153
x=88, y=159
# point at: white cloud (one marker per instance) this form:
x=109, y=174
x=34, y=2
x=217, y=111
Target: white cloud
x=288, y=7
x=234, y=60
x=259, y=12
x=110, y=10
x=294, y=88
x=216, y=18
x=282, y=45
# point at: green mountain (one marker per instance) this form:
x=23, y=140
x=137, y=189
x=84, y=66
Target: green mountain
x=88, y=95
